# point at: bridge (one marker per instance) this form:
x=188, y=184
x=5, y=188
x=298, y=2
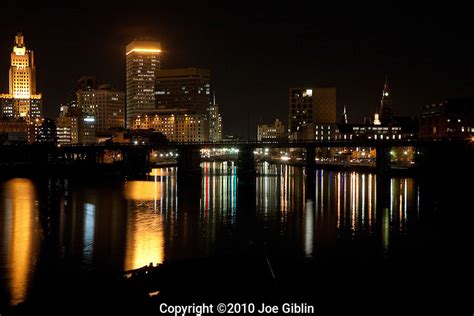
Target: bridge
x=135, y=157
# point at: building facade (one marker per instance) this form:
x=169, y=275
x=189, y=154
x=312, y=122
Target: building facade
x=378, y=132
x=273, y=132
x=176, y=125
x=14, y=130
x=319, y=132
x=183, y=88
x=105, y=104
x=451, y=119
x=311, y=105
x=67, y=128
x=22, y=100
x=142, y=65
x=75, y=126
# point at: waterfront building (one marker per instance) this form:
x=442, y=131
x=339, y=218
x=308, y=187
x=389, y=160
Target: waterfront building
x=275, y=131
x=450, y=119
x=178, y=125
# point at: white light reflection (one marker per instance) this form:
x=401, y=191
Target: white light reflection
x=309, y=229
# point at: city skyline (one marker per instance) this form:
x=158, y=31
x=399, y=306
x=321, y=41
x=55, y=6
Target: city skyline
x=243, y=157
x=256, y=55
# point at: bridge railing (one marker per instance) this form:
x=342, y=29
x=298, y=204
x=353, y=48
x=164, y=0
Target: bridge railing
x=276, y=144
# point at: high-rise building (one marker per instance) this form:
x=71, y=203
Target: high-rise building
x=384, y=114
x=22, y=100
x=215, y=123
x=143, y=63
x=300, y=108
x=271, y=132
x=311, y=105
x=183, y=88
x=105, y=104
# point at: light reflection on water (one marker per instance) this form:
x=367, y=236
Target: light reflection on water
x=124, y=226
x=19, y=231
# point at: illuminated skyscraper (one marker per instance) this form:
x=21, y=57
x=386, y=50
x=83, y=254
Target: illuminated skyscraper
x=143, y=62
x=22, y=101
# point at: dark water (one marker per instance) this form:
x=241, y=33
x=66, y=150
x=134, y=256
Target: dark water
x=56, y=229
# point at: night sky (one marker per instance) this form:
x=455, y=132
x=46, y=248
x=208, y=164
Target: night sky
x=257, y=51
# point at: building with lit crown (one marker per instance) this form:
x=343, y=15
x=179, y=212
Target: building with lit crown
x=22, y=100
x=142, y=65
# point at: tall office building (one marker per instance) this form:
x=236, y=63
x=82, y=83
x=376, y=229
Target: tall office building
x=183, y=88
x=311, y=105
x=105, y=104
x=22, y=100
x=215, y=123
x=143, y=63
